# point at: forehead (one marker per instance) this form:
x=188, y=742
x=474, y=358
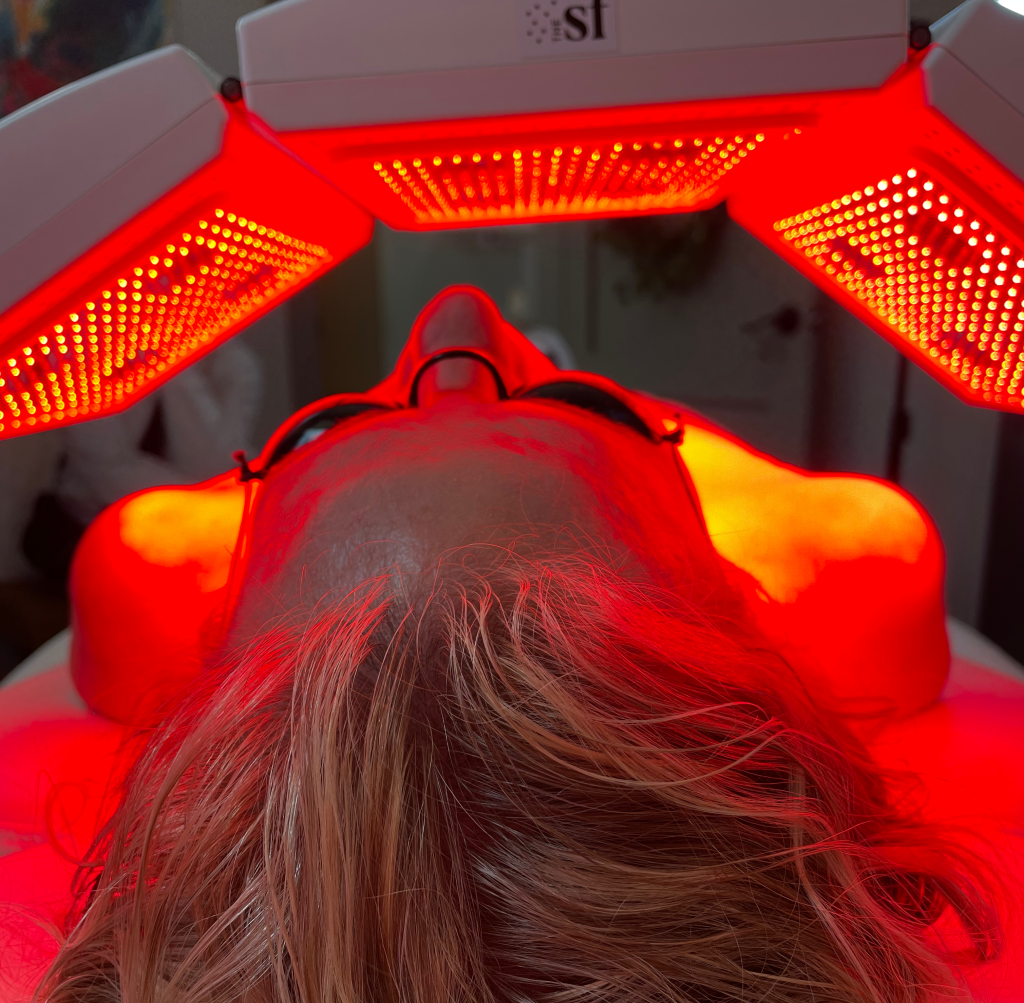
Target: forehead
x=515, y=462
x=396, y=491
x=511, y=434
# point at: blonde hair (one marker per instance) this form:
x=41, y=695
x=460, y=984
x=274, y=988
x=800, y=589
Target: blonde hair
x=540, y=783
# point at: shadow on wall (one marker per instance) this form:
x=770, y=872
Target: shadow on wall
x=1003, y=611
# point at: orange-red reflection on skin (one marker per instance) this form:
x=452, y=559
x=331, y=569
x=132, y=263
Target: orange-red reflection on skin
x=185, y=528
x=149, y=585
x=844, y=575
x=783, y=526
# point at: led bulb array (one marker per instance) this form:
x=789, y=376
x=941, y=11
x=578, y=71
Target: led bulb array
x=564, y=179
x=941, y=277
x=171, y=304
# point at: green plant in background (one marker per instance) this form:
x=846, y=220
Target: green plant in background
x=669, y=255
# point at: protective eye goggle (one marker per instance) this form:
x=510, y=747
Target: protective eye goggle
x=587, y=392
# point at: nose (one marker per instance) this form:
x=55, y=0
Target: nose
x=457, y=321
x=467, y=377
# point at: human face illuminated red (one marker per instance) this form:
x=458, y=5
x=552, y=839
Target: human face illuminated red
x=464, y=476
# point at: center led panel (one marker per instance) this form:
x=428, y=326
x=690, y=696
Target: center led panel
x=576, y=177
x=588, y=164
x=942, y=277
x=149, y=317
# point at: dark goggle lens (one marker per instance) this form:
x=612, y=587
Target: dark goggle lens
x=316, y=425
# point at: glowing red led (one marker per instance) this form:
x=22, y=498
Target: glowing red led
x=156, y=314
x=556, y=165
x=572, y=178
x=228, y=244
x=913, y=227
x=945, y=280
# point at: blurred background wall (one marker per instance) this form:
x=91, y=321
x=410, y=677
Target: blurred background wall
x=689, y=307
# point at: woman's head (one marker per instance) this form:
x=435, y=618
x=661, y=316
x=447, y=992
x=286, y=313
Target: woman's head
x=489, y=726
x=543, y=782
x=395, y=492
x=391, y=491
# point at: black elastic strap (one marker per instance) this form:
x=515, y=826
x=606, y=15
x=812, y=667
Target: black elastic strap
x=245, y=472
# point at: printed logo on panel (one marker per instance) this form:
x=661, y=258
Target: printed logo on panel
x=560, y=28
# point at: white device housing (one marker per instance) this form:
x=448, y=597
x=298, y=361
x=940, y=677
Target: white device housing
x=975, y=77
x=309, y=64
x=84, y=160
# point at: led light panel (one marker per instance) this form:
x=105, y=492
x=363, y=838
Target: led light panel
x=154, y=315
x=576, y=178
x=909, y=223
x=660, y=175
x=553, y=166
x=932, y=269
x=246, y=228
x=467, y=117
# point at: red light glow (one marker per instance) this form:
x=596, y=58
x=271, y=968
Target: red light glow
x=810, y=547
x=151, y=575
x=942, y=277
x=157, y=313
x=555, y=165
x=225, y=246
x=571, y=179
x=912, y=227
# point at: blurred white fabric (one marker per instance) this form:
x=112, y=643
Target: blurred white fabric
x=972, y=646
x=209, y=411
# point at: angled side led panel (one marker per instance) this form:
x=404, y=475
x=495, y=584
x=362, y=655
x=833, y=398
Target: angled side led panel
x=143, y=220
x=544, y=109
x=908, y=207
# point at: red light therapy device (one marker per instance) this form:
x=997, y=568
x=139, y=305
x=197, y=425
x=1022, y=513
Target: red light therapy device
x=539, y=109
x=558, y=165
x=149, y=243
x=898, y=187
x=908, y=206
